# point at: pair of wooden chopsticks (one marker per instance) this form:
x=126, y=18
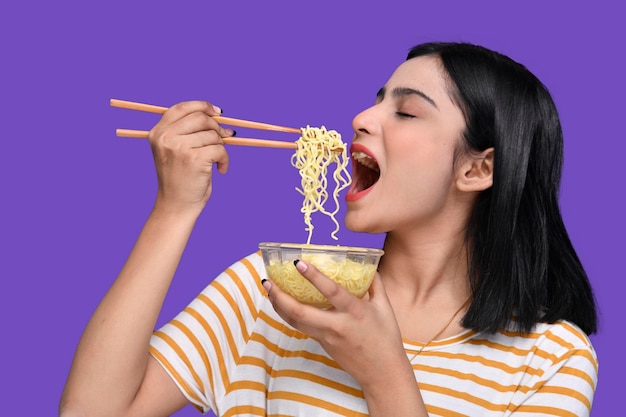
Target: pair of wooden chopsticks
x=263, y=143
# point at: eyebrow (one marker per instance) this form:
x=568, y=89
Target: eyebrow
x=406, y=91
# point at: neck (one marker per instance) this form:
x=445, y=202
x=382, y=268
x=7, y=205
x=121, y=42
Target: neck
x=427, y=285
x=420, y=269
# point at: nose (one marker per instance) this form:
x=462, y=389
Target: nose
x=366, y=122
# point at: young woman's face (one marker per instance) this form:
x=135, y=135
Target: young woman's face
x=403, y=152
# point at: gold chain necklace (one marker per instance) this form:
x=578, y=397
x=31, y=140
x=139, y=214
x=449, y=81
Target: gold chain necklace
x=440, y=331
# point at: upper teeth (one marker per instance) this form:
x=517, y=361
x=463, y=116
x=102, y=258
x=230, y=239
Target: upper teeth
x=366, y=160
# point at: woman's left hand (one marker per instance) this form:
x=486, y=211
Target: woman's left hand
x=362, y=335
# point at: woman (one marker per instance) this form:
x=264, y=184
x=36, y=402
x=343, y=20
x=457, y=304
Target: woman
x=480, y=307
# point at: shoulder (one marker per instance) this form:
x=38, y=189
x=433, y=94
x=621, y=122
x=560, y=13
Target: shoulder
x=235, y=295
x=565, y=333
x=553, y=345
x=250, y=266
x=560, y=336
x=567, y=343
x=243, y=276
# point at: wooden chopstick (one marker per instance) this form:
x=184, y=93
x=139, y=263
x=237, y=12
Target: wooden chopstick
x=130, y=105
x=261, y=143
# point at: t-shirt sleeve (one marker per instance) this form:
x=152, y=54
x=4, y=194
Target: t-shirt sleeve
x=202, y=345
x=567, y=386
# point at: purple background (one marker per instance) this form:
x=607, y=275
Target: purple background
x=74, y=196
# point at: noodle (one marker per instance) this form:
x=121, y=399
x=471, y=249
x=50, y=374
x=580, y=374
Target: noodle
x=352, y=275
x=316, y=152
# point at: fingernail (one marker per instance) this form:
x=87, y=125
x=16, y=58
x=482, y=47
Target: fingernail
x=234, y=133
x=217, y=109
x=267, y=285
x=229, y=131
x=300, y=266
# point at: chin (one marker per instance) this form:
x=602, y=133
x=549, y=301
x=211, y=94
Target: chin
x=351, y=226
x=353, y=223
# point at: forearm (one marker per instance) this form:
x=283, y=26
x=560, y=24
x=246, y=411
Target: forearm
x=112, y=355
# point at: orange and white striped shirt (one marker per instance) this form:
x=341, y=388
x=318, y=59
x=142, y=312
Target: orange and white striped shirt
x=230, y=352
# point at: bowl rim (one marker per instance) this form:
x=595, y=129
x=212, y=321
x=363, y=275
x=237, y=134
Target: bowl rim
x=320, y=248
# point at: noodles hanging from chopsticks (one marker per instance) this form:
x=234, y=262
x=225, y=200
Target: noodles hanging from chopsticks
x=318, y=148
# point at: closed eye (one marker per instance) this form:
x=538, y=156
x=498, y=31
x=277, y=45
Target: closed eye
x=404, y=115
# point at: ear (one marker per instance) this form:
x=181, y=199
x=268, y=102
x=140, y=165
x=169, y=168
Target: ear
x=475, y=173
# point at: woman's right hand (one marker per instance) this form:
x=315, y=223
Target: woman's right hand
x=185, y=143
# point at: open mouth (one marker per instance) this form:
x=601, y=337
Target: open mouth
x=365, y=172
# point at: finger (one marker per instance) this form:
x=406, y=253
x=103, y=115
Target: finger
x=214, y=153
x=376, y=291
x=195, y=122
x=202, y=139
x=337, y=295
x=300, y=316
x=180, y=110
x=189, y=117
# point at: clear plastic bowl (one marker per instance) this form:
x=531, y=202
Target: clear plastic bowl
x=351, y=267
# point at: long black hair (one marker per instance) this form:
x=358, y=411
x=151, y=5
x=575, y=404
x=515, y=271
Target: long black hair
x=523, y=268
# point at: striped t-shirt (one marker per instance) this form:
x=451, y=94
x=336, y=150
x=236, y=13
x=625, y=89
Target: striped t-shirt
x=230, y=352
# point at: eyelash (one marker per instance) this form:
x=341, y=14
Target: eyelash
x=404, y=115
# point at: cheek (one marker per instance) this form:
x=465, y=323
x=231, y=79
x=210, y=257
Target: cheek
x=428, y=145
x=421, y=175
x=422, y=188
x=423, y=161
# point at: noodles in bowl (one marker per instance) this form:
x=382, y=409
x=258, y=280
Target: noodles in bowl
x=351, y=267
